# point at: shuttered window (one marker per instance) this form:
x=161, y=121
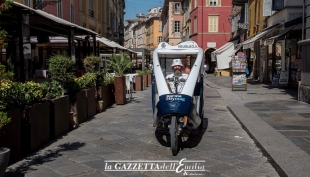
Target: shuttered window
x=213, y=23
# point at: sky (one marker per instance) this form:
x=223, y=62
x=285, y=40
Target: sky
x=134, y=7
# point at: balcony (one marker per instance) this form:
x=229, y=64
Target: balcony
x=177, y=34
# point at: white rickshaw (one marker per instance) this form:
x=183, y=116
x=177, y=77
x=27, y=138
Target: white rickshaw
x=171, y=107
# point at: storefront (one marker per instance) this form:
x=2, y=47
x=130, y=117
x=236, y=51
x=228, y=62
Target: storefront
x=284, y=56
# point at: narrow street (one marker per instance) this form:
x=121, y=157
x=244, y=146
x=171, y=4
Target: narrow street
x=126, y=133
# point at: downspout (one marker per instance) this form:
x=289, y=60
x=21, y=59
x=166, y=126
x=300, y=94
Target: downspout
x=303, y=21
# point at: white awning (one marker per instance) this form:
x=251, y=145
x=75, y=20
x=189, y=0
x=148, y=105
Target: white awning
x=106, y=42
x=224, y=59
x=250, y=42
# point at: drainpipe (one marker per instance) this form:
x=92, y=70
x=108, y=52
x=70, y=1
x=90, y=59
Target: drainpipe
x=303, y=21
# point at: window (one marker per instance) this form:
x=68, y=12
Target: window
x=277, y=4
x=177, y=26
x=90, y=8
x=177, y=7
x=213, y=23
x=26, y=2
x=72, y=13
x=160, y=28
x=59, y=9
x=213, y=2
x=160, y=39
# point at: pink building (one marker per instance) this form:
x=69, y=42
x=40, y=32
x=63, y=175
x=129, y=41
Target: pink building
x=209, y=25
x=67, y=10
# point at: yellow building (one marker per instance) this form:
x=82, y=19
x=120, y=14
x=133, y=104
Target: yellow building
x=153, y=28
x=257, y=21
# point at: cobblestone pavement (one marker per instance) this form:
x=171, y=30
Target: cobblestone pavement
x=126, y=133
x=276, y=106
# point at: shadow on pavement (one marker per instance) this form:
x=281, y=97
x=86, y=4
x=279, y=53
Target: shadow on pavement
x=37, y=159
x=185, y=141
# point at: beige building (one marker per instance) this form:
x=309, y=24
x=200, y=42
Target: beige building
x=172, y=19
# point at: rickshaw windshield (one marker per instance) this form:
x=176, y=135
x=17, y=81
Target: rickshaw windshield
x=166, y=60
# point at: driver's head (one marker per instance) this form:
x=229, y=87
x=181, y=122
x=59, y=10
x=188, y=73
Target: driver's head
x=177, y=67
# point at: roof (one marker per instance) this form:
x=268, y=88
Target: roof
x=54, y=18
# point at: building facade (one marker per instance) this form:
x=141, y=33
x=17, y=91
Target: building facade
x=172, y=20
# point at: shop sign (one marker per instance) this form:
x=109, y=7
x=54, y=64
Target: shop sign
x=211, y=44
x=267, y=8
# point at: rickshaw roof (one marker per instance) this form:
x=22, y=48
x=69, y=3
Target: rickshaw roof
x=187, y=47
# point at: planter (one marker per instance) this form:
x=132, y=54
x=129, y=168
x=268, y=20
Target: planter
x=78, y=107
x=102, y=96
x=110, y=95
x=11, y=138
x=149, y=79
x=120, y=90
x=59, y=116
x=91, y=102
x=139, y=83
x=4, y=159
x=35, y=127
x=144, y=81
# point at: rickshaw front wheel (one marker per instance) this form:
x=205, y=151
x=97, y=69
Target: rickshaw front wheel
x=174, y=135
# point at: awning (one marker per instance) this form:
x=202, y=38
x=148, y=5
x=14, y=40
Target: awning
x=250, y=42
x=223, y=54
x=270, y=40
x=55, y=19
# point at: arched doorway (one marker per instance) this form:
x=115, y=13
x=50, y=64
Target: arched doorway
x=208, y=60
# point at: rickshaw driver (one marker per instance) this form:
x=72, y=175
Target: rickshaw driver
x=177, y=79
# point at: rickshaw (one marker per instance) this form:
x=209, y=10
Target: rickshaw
x=170, y=108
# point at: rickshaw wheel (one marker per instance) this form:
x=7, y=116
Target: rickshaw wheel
x=174, y=135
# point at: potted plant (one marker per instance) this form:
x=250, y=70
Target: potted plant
x=61, y=70
x=139, y=80
x=35, y=117
x=91, y=64
x=120, y=63
x=4, y=152
x=87, y=82
x=59, y=105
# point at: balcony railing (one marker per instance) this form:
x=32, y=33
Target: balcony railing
x=177, y=34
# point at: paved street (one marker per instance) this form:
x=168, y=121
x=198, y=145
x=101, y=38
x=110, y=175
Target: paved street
x=126, y=133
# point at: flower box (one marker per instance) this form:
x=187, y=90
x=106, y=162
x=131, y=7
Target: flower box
x=35, y=127
x=59, y=116
x=139, y=83
x=78, y=107
x=120, y=90
x=11, y=137
x=144, y=81
x=91, y=102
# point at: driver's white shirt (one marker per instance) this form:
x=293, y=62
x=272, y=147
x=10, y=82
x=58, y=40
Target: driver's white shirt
x=170, y=80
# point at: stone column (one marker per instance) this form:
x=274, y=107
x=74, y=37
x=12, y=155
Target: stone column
x=304, y=88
